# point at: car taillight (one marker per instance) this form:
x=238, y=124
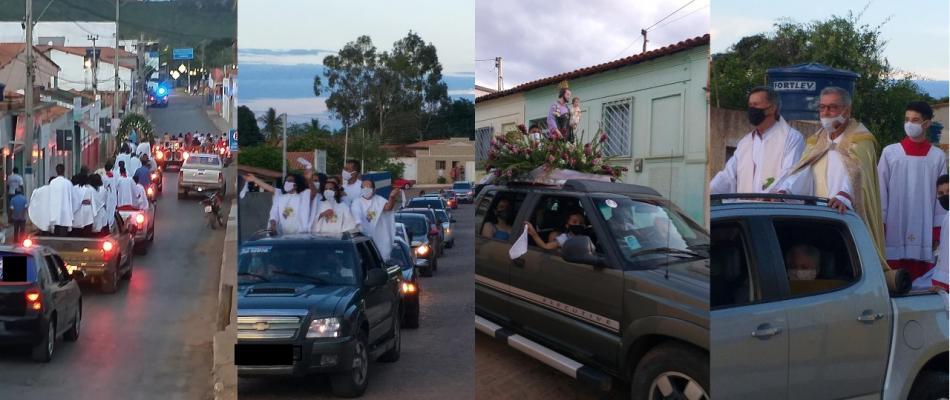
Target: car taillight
x=107, y=246
x=184, y=155
x=34, y=300
x=433, y=230
x=408, y=287
x=159, y=155
x=150, y=192
x=140, y=219
x=221, y=150
x=154, y=176
x=27, y=242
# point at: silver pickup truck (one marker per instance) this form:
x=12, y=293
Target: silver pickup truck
x=201, y=173
x=845, y=330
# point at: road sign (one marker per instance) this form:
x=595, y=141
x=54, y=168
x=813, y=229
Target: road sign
x=183, y=54
x=232, y=140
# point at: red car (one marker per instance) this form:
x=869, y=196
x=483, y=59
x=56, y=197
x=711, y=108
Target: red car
x=404, y=183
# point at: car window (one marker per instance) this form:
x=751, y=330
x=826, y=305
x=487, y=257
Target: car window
x=818, y=255
x=426, y=202
x=53, y=271
x=551, y=215
x=730, y=278
x=60, y=268
x=443, y=217
x=415, y=224
x=495, y=225
x=367, y=258
x=400, y=257
x=650, y=231
x=462, y=186
x=317, y=263
x=15, y=268
x=203, y=160
x=61, y=265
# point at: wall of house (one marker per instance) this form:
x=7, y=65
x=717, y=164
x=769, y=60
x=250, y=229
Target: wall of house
x=668, y=126
x=941, y=113
x=75, y=75
x=410, y=172
x=13, y=74
x=457, y=150
x=500, y=115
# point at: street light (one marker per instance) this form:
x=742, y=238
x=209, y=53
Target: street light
x=283, y=143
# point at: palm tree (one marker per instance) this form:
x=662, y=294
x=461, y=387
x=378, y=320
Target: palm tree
x=272, y=126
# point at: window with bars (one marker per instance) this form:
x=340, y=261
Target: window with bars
x=540, y=122
x=617, y=124
x=482, y=142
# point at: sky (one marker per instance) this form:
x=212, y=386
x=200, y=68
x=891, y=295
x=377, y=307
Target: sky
x=537, y=38
x=279, y=52
x=915, y=30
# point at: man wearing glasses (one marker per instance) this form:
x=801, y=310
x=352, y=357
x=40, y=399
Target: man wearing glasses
x=840, y=163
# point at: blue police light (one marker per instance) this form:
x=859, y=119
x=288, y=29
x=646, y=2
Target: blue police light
x=161, y=91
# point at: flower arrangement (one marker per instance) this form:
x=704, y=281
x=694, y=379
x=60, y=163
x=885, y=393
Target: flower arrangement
x=516, y=154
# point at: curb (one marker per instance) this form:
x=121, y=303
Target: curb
x=223, y=371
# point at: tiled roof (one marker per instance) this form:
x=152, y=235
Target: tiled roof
x=425, y=144
x=10, y=51
x=596, y=69
x=106, y=54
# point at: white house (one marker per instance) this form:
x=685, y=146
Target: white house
x=76, y=72
x=13, y=68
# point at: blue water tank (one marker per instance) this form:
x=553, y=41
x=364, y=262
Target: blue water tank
x=799, y=86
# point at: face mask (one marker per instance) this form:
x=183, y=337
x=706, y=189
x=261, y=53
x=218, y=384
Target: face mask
x=329, y=194
x=802, y=274
x=575, y=229
x=347, y=175
x=829, y=123
x=943, y=201
x=913, y=130
x=756, y=115
x=366, y=192
x=288, y=187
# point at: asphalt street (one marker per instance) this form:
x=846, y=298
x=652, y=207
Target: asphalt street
x=437, y=359
x=152, y=339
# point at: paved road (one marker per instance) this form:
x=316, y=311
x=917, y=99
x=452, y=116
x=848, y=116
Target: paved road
x=152, y=339
x=437, y=360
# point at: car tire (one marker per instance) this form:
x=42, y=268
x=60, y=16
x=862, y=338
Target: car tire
x=411, y=316
x=353, y=382
x=393, y=354
x=128, y=272
x=72, y=334
x=930, y=385
x=43, y=351
x=684, y=368
x=450, y=244
x=110, y=284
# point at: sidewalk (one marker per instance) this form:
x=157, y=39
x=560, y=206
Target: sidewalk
x=217, y=120
x=223, y=371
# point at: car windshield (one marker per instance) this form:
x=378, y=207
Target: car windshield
x=400, y=257
x=203, y=160
x=462, y=186
x=426, y=202
x=416, y=225
x=442, y=216
x=319, y=263
x=649, y=232
x=16, y=268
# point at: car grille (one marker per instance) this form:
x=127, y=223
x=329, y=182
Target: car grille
x=268, y=327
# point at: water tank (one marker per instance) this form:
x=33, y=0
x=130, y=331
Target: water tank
x=799, y=86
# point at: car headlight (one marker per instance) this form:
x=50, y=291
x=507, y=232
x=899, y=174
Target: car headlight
x=324, y=328
x=422, y=250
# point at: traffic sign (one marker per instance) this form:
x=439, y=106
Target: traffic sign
x=232, y=140
x=183, y=54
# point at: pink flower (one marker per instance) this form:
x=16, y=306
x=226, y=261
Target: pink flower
x=588, y=149
x=522, y=128
x=550, y=158
x=510, y=173
x=597, y=161
x=603, y=137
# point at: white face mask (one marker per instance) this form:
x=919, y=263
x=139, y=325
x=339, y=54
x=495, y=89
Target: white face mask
x=366, y=192
x=329, y=194
x=829, y=123
x=347, y=175
x=288, y=187
x=802, y=274
x=913, y=130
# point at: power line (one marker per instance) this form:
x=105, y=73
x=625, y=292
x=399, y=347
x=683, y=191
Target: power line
x=670, y=14
x=683, y=16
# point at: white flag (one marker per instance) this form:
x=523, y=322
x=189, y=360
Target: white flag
x=520, y=247
x=303, y=161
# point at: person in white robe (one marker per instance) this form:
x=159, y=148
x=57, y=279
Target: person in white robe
x=332, y=215
x=122, y=158
x=61, y=204
x=100, y=219
x=108, y=184
x=140, y=199
x=125, y=196
x=764, y=155
x=375, y=216
x=906, y=173
x=86, y=212
x=290, y=209
x=352, y=184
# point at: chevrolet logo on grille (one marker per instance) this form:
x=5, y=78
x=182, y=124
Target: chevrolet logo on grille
x=261, y=326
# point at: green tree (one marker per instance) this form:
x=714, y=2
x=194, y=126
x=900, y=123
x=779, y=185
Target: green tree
x=273, y=126
x=249, y=134
x=455, y=119
x=839, y=42
x=138, y=123
x=260, y=156
x=347, y=76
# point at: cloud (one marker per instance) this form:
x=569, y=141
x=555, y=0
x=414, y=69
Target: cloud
x=295, y=108
x=282, y=56
x=536, y=39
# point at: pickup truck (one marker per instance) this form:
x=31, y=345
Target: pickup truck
x=317, y=305
x=39, y=300
x=846, y=329
x=141, y=223
x=103, y=258
x=200, y=173
x=625, y=297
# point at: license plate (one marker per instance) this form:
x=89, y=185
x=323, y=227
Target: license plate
x=207, y=209
x=249, y=354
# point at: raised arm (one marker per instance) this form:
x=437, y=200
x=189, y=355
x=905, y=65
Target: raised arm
x=260, y=183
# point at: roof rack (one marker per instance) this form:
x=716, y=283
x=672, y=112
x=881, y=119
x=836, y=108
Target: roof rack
x=718, y=199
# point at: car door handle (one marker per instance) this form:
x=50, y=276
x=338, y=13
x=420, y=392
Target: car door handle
x=870, y=316
x=766, y=331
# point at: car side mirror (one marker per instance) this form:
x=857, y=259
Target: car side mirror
x=77, y=274
x=376, y=277
x=580, y=250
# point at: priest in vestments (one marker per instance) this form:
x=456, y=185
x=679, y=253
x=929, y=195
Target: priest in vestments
x=763, y=155
x=840, y=163
x=912, y=215
x=375, y=218
x=62, y=205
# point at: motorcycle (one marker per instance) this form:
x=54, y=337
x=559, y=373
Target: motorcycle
x=212, y=207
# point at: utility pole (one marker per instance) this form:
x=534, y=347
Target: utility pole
x=644, y=33
x=115, y=65
x=501, y=80
x=28, y=91
x=93, y=63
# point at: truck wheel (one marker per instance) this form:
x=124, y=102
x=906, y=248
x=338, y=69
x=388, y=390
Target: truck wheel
x=671, y=371
x=128, y=271
x=930, y=385
x=353, y=383
x=393, y=354
x=43, y=351
x=110, y=283
x=73, y=333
